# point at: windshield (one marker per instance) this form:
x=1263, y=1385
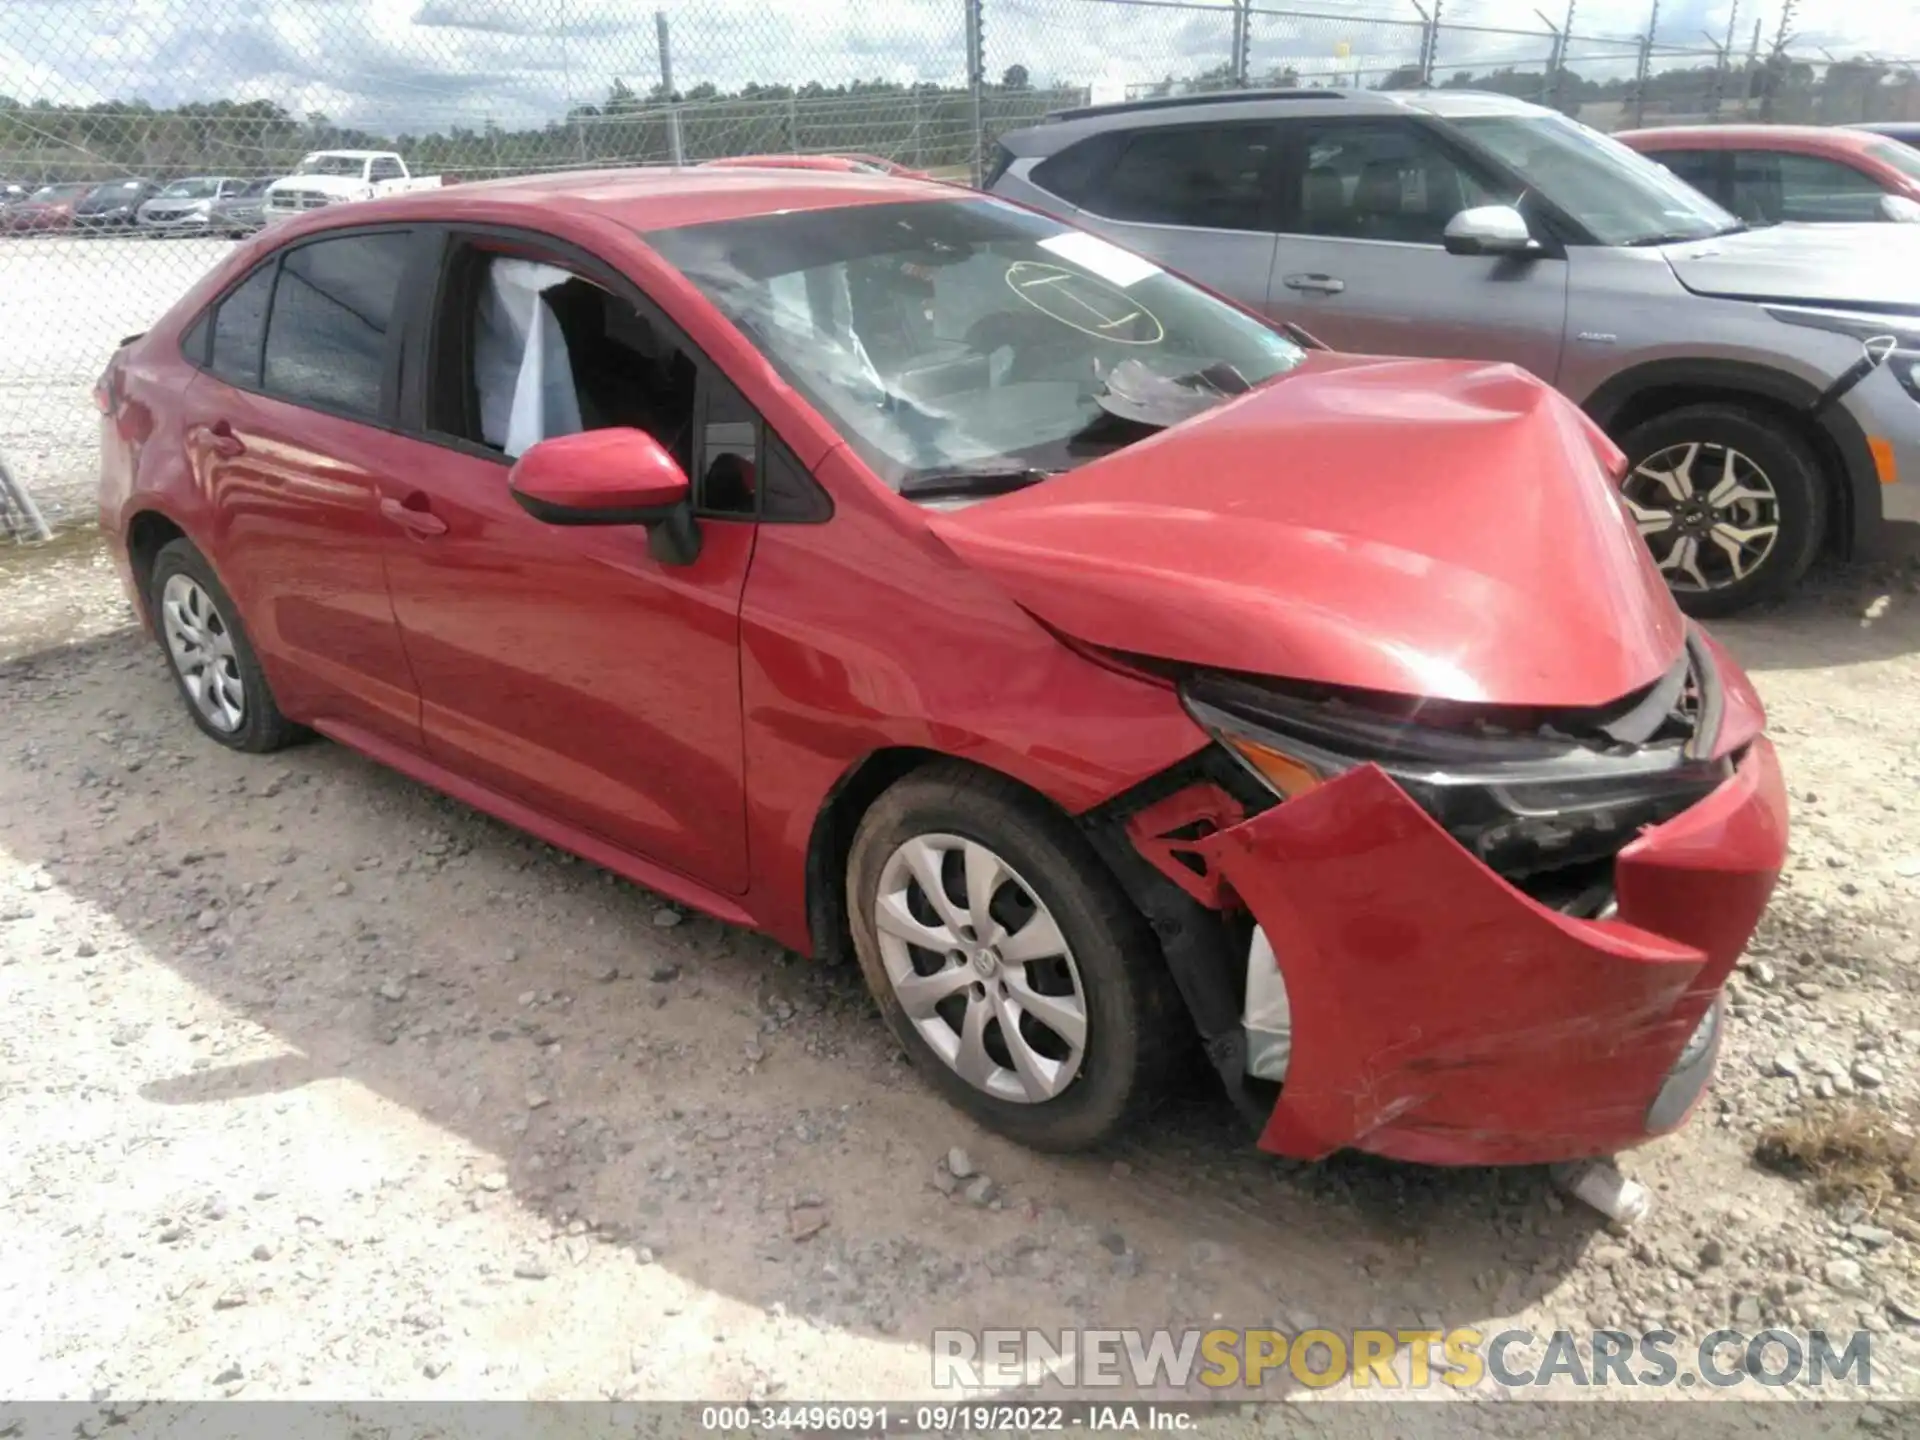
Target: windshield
x=59, y=192
x=199, y=189
x=1903, y=158
x=1623, y=197
x=944, y=334
x=331, y=165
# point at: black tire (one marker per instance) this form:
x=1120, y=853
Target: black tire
x=1799, y=507
x=261, y=727
x=1137, y=1029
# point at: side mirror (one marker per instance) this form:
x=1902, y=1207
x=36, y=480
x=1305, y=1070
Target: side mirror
x=1899, y=208
x=610, y=477
x=1490, y=230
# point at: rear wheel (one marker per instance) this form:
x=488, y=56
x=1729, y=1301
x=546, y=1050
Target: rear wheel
x=212, y=660
x=1730, y=502
x=1007, y=962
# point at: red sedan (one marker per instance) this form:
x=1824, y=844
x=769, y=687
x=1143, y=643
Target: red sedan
x=898, y=571
x=48, y=208
x=1767, y=174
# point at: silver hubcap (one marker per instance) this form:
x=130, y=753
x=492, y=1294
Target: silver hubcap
x=202, y=651
x=1708, y=513
x=980, y=967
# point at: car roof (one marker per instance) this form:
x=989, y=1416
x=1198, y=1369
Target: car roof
x=645, y=198
x=1063, y=127
x=1737, y=137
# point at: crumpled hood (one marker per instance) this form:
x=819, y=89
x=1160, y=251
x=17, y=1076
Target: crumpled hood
x=1421, y=527
x=1877, y=265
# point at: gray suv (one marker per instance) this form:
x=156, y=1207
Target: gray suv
x=1764, y=384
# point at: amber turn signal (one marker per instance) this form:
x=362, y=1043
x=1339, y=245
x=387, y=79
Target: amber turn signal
x=1286, y=774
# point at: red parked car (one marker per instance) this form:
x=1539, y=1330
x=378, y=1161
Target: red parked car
x=48, y=208
x=893, y=569
x=1767, y=174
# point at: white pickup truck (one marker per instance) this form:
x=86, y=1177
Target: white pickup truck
x=328, y=177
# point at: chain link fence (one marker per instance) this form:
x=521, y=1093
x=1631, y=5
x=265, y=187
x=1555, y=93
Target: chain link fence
x=118, y=103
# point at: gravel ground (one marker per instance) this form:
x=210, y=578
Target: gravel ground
x=65, y=303
x=316, y=1084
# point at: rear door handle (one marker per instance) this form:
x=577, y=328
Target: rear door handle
x=223, y=442
x=419, y=521
x=1323, y=284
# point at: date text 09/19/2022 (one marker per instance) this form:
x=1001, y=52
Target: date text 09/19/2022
x=935, y=1419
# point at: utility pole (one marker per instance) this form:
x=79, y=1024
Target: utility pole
x=676, y=142
x=1241, y=24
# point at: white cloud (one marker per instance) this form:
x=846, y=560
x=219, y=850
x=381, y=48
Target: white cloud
x=424, y=64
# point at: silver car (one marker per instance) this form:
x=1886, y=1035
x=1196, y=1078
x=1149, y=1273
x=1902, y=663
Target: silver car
x=1764, y=384
x=187, y=205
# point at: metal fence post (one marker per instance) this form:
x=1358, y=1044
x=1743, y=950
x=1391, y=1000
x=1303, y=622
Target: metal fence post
x=1550, y=82
x=675, y=140
x=19, y=516
x=1242, y=24
x=1645, y=67
x=976, y=83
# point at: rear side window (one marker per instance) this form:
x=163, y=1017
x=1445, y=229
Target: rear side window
x=1699, y=168
x=239, y=326
x=1071, y=174
x=1211, y=177
x=327, y=336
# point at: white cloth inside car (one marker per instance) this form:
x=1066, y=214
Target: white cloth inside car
x=520, y=364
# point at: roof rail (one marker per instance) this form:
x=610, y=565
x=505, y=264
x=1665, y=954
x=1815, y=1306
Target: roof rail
x=1210, y=97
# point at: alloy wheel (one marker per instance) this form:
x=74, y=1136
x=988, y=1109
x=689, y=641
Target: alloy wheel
x=202, y=649
x=981, y=968
x=1708, y=513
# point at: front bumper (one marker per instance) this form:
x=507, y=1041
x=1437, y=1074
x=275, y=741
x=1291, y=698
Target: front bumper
x=188, y=220
x=1890, y=418
x=1441, y=1016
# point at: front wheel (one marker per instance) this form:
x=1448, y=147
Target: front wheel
x=1006, y=961
x=1730, y=502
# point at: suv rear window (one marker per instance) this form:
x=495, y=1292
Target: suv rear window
x=1211, y=177
x=1071, y=173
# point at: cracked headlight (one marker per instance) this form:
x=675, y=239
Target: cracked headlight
x=1521, y=800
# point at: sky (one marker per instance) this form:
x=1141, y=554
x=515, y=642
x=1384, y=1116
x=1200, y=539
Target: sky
x=418, y=65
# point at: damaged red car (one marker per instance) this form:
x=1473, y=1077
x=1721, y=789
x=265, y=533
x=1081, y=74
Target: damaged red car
x=909, y=575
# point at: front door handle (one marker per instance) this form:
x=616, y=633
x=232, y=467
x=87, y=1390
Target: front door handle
x=414, y=518
x=1321, y=284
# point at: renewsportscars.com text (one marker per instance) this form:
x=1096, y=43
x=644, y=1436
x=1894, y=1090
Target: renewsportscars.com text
x=1398, y=1359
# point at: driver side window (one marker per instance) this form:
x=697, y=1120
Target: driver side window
x=525, y=351
x=1389, y=180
